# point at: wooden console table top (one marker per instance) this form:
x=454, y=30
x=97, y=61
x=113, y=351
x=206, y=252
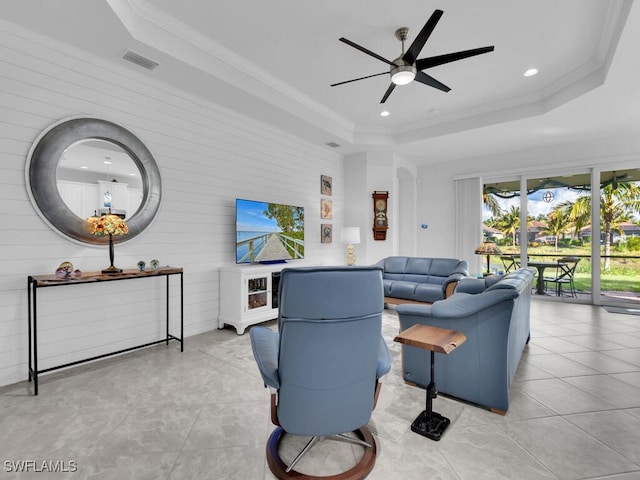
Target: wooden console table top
x=436, y=339
x=91, y=277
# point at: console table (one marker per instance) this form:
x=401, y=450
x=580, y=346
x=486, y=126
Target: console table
x=34, y=282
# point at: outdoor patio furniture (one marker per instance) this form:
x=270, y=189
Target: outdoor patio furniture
x=510, y=262
x=565, y=271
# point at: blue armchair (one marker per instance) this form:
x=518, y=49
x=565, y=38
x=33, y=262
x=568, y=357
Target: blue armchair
x=323, y=364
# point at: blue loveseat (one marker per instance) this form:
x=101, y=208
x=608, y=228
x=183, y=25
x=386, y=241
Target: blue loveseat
x=421, y=279
x=493, y=313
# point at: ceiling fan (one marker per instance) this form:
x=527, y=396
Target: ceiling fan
x=407, y=67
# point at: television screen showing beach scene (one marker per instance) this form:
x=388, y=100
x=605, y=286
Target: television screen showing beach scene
x=268, y=232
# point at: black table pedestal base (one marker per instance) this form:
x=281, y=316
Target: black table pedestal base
x=431, y=425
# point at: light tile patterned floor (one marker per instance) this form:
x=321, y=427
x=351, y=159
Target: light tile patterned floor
x=159, y=414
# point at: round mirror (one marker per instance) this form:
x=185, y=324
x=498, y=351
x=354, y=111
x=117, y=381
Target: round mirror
x=84, y=166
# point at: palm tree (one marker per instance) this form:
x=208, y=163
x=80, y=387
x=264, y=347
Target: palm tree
x=509, y=222
x=617, y=204
x=491, y=203
x=557, y=223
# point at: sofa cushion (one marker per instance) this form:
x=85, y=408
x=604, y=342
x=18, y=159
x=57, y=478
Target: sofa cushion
x=393, y=265
x=514, y=280
x=419, y=266
x=428, y=292
x=443, y=267
x=402, y=289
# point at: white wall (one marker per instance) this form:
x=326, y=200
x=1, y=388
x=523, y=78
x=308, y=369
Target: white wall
x=365, y=173
x=406, y=206
x=207, y=156
x=381, y=170
x=436, y=208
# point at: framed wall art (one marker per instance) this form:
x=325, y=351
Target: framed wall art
x=326, y=185
x=326, y=209
x=326, y=233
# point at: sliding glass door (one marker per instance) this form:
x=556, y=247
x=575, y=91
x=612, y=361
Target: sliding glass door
x=552, y=231
x=555, y=246
x=619, y=239
x=501, y=223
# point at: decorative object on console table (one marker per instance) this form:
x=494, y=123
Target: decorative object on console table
x=488, y=248
x=351, y=236
x=108, y=225
x=64, y=270
x=326, y=185
x=326, y=233
x=380, y=219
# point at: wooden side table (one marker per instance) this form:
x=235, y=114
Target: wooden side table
x=429, y=423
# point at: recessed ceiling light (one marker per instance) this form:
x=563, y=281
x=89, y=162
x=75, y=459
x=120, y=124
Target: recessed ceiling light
x=132, y=174
x=384, y=113
x=531, y=72
x=107, y=162
x=84, y=167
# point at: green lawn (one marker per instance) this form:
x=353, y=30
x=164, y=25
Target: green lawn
x=609, y=282
x=623, y=275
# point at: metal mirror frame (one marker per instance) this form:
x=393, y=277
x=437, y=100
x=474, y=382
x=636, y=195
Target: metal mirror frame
x=42, y=184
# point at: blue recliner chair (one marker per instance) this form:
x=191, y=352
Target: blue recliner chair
x=323, y=364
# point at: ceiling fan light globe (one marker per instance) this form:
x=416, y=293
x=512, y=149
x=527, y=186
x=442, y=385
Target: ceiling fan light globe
x=403, y=74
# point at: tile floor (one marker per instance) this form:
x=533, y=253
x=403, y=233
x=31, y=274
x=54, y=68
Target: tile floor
x=159, y=414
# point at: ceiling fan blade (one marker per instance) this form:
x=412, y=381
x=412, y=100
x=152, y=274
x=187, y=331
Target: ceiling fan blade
x=361, y=78
x=364, y=50
x=432, y=82
x=415, y=48
x=429, y=62
x=388, y=92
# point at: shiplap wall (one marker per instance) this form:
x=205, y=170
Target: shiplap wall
x=207, y=156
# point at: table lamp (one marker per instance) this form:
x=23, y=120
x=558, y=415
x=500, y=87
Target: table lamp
x=111, y=225
x=488, y=248
x=351, y=236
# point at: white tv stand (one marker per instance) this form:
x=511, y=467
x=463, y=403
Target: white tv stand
x=249, y=294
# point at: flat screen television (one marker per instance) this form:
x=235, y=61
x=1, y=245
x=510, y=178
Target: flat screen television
x=268, y=232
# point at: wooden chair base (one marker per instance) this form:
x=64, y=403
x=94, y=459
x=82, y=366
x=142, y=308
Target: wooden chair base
x=358, y=472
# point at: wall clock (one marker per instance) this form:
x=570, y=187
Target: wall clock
x=380, y=219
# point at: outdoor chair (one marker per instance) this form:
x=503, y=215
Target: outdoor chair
x=324, y=364
x=564, y=275
x=510, y=262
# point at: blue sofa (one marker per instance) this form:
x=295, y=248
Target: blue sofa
x=421, y=279
x=493, y=313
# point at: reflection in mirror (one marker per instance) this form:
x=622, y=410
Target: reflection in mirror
x=94, y=176
x=64, y=196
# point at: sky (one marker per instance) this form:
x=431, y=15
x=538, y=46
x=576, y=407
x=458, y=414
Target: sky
x=250, y=217
x=535, y=204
